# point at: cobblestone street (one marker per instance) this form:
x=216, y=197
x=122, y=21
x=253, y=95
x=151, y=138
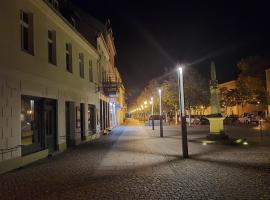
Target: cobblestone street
x=133, y=162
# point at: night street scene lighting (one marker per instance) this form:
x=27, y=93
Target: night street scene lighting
x=134, y=99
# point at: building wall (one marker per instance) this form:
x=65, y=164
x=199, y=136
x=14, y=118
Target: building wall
x=239, y=109
x=234, y=110
x=24, y=74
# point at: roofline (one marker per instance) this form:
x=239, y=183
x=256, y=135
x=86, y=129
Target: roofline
x=66, y=22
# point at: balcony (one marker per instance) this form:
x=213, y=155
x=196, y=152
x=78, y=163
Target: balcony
x=110, y=84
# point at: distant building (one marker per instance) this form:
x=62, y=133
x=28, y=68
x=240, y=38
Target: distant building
x=232, y=110
x=239, y=109
x=56, y=89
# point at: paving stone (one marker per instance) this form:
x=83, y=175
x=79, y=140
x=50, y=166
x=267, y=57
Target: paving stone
x=134, y=163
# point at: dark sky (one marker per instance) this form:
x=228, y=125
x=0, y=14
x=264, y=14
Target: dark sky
x=153, y=35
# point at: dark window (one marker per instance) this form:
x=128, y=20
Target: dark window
x=55, y=4
x=52, y=47
x=90, y=71
x=26, y=20
x=81, y=65
x=73, y=22
x=69, y=57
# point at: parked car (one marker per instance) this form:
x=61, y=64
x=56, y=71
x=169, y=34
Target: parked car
x=156, y=117
x=249, y=118
x=193, y=119
x=231, y=119
x=204, y=121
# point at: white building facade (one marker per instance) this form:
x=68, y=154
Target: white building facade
x=50, y=77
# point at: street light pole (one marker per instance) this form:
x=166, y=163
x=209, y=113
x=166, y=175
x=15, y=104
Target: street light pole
x=182, y=113
x=160, y=113
x=152, y=112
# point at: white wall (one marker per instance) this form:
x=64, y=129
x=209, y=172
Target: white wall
x=25, y=74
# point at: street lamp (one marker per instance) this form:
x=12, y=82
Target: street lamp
x=152, y=112
x=160, y=113
x=182, y=112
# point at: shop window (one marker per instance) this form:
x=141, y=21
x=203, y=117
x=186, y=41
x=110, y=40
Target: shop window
x=30, y=125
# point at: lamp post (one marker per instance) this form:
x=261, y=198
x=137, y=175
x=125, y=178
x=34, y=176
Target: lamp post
x=160, y=114
x=182, y=112
x=152, y=112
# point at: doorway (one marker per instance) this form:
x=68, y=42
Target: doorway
x=91, y=118
x=50, y=125
x=70, y=123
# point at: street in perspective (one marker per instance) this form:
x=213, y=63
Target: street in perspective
x=134, y=100
x=133, y=162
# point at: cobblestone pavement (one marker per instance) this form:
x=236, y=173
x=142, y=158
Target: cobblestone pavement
x=133, y=162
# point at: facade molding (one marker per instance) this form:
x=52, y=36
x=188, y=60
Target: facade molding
x=65, y=25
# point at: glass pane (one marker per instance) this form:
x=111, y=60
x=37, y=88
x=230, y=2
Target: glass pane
x=50, y=52
x=50, y=35
x=29, y=122
x=89, y=117
x=67, y=62
x=25, y=38
x=25, y=17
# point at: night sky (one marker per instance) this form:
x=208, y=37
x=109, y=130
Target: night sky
x=152, y=36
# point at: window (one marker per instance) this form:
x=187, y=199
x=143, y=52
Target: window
x=52, y=47
x=26, y=20
x=90, y=71
x=81, y=65
x=30, y=124
x=98, y=71
x=69, y=57
x=73, y=22
x=55, y=4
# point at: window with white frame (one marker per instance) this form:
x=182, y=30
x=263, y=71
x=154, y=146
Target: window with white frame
x=81, y=65
x=52, y=47
x=69, y=57
x=27, y=40
x=90, y=71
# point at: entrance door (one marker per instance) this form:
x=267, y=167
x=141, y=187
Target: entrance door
x=82, y=113
x=70, y=123
x=50, y=126
x=92, y=118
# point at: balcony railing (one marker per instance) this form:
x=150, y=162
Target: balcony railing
x=110, y=84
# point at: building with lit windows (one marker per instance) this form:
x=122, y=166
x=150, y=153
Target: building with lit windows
x=53, y=89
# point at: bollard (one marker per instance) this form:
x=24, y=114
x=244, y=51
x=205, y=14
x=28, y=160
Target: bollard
x=161, y=126
x=184, y=137
x=153, y=123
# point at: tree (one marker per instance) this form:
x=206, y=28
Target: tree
x=196, y=90
x=251, y=81
x=230, y=98
x=169, y=96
